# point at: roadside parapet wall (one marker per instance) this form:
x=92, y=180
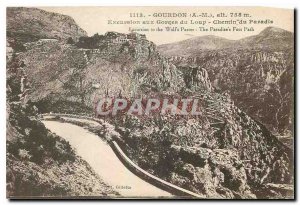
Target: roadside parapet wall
x=178, y=191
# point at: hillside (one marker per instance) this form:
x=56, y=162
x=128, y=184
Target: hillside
x=194, y=45
x=257, y=72
x=222, y=153
x=38, y=162
x=54, y=68
x=270, y=38
x=31, y=24
x=119, y=70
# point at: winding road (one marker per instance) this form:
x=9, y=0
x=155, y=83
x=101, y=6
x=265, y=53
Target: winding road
x=100, y=156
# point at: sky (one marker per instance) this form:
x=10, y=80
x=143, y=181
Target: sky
x=95, y=20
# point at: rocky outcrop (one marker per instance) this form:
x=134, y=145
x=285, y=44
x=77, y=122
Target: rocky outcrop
x=28, y=179
x=39, y=163
x=223, y=136
x=222, y=153
x=219, y=173
x=135, y=69
x=196, y=78
x=259, y=81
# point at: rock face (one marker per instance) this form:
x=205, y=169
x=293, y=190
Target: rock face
x=246, y=155
x=196, y=78
x=30, y=24
x=25, y=178
x=39, y=163
x=257, y=72
x=221, y=174
x=134, y=68
x=225, y=152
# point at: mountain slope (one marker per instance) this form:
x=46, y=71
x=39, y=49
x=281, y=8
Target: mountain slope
x=31, y=24
x=38, y=162
x=269, y=38
x=194, y=45
x=257, y=72
x=118, y=70
x=222, y=153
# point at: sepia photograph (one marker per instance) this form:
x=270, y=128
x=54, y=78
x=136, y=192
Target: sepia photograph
x=150, y=103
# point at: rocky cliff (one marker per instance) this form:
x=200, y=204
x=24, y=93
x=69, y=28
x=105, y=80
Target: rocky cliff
x=226, y=145
x=38, y=162
x=68, y=72
x=223, y=153
x=258, y=73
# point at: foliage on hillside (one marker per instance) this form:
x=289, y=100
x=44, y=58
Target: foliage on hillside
x=39, y=163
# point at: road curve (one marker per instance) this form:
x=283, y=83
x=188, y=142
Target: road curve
x=100, y=156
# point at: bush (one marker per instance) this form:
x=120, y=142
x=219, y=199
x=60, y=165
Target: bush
x=70, y=41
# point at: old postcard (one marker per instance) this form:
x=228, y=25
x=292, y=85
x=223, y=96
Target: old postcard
x=150, y=103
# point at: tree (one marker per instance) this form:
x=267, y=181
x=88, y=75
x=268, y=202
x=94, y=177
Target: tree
x=70, y=41
x=90, y=42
